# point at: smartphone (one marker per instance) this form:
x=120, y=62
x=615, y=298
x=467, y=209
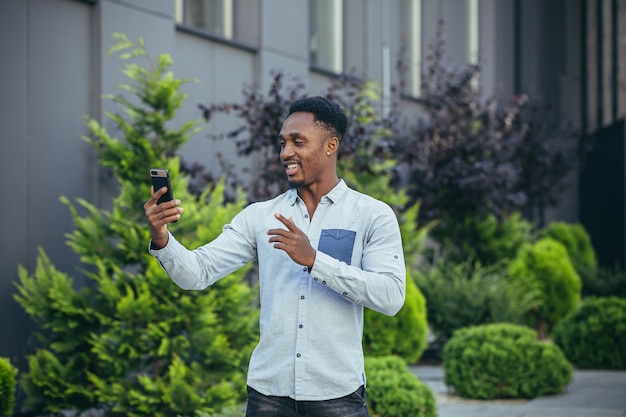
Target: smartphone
x=161, y=178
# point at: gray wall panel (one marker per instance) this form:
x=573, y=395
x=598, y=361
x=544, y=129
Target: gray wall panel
x=47, y=44
x=221, y=73
x=60, y=162
x=13, y=173
x=285, y=27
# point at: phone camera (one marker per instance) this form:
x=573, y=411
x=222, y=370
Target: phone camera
x=154, y=172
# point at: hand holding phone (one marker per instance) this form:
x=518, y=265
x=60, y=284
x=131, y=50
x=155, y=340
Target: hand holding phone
x=161, y=178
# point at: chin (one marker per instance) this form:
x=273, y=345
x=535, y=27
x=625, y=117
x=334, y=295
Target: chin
x=296, y=184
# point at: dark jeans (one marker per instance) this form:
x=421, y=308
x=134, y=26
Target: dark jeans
x=352, y=405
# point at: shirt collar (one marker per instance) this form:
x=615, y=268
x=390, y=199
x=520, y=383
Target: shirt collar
x=334, y=195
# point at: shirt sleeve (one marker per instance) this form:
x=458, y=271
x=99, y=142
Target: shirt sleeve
x=199, y=268
x=380, y=282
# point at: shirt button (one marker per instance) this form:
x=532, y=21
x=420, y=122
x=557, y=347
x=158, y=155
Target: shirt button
x=306, y=216
x=300, y=326
x=305, y=269
x=302, y=297
x=345, y=293
x=314, y=279
x=324, y=282
x=298, y=355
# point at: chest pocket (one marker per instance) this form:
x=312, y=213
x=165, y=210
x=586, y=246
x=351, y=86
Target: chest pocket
x=338, y=243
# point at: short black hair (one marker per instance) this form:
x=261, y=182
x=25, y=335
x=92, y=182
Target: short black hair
x=325, y=112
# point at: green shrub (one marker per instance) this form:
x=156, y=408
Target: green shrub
x=503, y=361
x=7, y=387
x=393, y=391
x=605, y=282
x=461, y=295
x=578, y=244
x=483, y=239
x=404, y=334
x=594, y=337
x=576, y=240
x=545, y=267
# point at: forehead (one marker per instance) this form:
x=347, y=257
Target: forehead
x=300, y=124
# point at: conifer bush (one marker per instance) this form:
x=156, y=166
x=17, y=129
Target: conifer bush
x=131, y=341
x=7, y=387
x=594, y=337
x=503, y=360
x=393, y=391
x=544, y=267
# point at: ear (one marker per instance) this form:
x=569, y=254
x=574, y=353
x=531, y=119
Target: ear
x=332, y=145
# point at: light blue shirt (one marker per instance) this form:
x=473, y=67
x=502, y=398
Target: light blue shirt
x=311, y=323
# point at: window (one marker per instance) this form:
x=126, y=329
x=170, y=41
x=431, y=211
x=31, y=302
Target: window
x=472, y=32
x=326, y=47
x=231, y=20
x=411, y=25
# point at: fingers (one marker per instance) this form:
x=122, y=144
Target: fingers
x=291, y=226
x=154, y=197
x=159, y=215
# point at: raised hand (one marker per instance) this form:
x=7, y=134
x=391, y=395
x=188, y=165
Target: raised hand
x=160, y=215
x=293, y=241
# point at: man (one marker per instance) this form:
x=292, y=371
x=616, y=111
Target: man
x=324, y=251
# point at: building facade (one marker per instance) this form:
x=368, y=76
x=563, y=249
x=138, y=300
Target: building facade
x=56, y=69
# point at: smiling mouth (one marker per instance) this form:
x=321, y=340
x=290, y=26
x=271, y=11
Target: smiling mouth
x=291, y=168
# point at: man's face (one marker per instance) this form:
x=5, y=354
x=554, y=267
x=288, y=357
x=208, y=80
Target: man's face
x=303, y=147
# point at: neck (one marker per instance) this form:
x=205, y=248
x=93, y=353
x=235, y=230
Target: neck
x=312, y=194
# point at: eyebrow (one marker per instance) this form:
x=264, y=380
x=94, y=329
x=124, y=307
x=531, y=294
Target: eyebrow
x=295, y=135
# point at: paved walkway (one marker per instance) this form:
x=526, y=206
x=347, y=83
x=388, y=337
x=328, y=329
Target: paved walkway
x=591, y=394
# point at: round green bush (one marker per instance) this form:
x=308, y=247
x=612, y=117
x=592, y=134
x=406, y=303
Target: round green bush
x=545, y=269
x=594, y=337
x=502, y=360
x=404, y=334
x=577, y=242
x=393, y=391
x=579, y=248
x=7, y=387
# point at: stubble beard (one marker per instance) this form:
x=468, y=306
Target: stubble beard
x=296, y=184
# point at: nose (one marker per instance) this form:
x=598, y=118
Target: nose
x=286, y=151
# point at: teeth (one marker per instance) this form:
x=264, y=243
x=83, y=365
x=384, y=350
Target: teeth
x=292, y=166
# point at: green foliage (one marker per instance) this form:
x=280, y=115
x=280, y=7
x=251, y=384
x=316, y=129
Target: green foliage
x=131, y=341
x=503, y=361
x=393, y=391
x=544, y=266
x=578, y=244
x=576, y=240
x=237, y=411
x=594, y=337
x=483, y=238
x=462, y=295
x=403, y=335
x=7, y=387
x=605, y=282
